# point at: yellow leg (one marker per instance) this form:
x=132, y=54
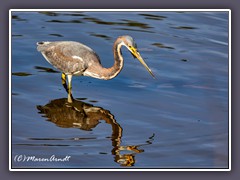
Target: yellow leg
x=63, y=78
x=64, y=83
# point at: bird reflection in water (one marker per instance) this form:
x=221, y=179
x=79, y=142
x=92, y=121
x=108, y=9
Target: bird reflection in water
x=84, y=116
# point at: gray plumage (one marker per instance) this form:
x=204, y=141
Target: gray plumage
x=68, y=56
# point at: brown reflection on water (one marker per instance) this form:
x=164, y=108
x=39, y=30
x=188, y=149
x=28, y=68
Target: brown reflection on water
x=84, y=116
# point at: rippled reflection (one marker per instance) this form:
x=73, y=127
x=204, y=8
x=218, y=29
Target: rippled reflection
x=84, y=116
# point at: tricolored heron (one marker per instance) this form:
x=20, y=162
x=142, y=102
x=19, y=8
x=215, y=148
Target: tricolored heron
x=74, y=58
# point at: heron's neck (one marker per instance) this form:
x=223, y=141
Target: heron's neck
x=109, y=73
x=100, y=72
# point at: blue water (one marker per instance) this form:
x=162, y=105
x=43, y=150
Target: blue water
x=178, y=120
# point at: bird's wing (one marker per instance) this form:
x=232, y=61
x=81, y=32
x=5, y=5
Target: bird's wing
x=67, y=56
x=80, y=50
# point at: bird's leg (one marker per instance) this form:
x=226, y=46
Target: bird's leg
x=69, y=83
x=70, y=98
x=64, y=82
x=68, y=87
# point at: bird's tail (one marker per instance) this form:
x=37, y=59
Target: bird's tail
x=42, y=45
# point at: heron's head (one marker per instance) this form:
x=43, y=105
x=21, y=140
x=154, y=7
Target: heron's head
x=132, y=47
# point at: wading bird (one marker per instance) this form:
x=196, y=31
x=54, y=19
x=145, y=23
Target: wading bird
x=73, y=58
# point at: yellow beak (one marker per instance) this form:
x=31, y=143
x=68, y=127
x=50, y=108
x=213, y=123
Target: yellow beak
x=137, y=55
